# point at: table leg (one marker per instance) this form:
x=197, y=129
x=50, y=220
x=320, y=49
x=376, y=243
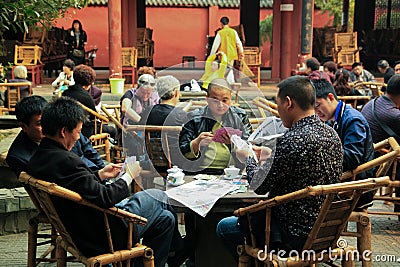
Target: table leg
x=210, y=251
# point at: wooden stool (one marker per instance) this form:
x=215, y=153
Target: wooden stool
x=36, y=71
x=190, y=60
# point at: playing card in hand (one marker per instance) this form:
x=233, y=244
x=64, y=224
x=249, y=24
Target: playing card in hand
x=225, y=131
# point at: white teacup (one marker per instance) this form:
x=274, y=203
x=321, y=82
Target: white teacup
x=231, y=172
x=174, y=169
x=176, y=177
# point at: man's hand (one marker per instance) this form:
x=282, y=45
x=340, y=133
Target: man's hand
x=204, y=139
x=262, y=152
x=241, y=55
x=110, y=171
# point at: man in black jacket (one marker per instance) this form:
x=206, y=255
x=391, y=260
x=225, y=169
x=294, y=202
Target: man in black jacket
x=197, y=137
x=53, y=162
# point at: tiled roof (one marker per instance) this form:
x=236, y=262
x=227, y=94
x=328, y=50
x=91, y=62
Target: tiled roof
x=199, y=3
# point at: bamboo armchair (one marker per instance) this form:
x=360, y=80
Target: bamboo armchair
x=374, y=87
x=43, y=192
x=13, y=94
x=353, y=100
x=362, y=220
x=158, y=148
x=266, y=105
x=324, y=236
x=255, y=122
x=99, y=139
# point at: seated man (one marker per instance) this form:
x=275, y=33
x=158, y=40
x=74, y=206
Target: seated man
x=196, y=140
x=358, y=73
x=313, y=71
x=308, y=154
x=29, y=112
x=353, y=130
x=383, y=116
x=61, y=124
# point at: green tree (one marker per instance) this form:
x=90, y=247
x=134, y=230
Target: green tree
x=266, y=30
x=334, y=7
x=20, y=14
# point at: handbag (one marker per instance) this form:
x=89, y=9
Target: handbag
x=78, y=53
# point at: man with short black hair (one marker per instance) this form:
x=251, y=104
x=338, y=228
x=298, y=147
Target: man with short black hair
x=308, y=154
x=313, y=71
x=358, y=73
x=61, y=124
x=353, y=130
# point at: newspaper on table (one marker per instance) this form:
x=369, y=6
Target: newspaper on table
x=200, y=195
x=268, y=131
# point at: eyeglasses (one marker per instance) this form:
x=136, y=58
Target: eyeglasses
x=147, y=83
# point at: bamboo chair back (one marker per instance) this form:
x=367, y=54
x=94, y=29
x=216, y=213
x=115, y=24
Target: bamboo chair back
x=99, y=139
x=43, y=193
x=157, y=148
x=331, y=221
x=266, y=105
x=13, y=94
x=255, y=122
x=113, y=112
x=354, y=100
x=374, y=87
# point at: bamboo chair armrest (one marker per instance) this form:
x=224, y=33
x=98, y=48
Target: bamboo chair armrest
x=310, y=191
x=94, y=113
x=99, y=136
x=131, y=128
x=54, y=189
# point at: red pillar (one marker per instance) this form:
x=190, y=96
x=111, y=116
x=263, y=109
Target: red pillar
x=286, y=9
x=115, y=38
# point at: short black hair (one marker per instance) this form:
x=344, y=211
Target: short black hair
x=224, y=20
x=393, y=85
x=356, y=64
x=300, y=89
x=382, y=64
x=313, y=63
x=29, y=106
x=62, y=112
x=323, y=88
x=331, y=66
x=69, y=63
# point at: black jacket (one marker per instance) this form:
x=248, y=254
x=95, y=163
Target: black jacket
x=201, y=120
x=53, y=163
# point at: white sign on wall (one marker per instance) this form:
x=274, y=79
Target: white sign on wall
x=287, y=7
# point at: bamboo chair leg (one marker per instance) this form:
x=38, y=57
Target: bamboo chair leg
x=148, y=258
x=32, y=241
x=244, y=259
x=61, y=255
x=364, y=241
x=347, y=261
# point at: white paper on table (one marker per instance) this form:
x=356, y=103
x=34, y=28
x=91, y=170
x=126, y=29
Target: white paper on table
x=200, y=195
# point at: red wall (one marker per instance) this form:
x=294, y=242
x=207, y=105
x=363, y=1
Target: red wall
x=94, y=21
x=177, y=31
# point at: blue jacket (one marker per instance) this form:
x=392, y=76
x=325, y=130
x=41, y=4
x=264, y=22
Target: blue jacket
x=355, y=134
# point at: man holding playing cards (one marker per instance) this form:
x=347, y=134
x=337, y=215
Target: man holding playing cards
x=205, y=138
x=53, y=162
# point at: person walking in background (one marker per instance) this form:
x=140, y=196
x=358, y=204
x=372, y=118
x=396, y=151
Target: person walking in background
x=227, y=40
x=66, y=77
x=384, y=67
x=76, y=39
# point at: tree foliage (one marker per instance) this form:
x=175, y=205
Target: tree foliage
x=335, y=9
x=18, y=15
x=266, y=30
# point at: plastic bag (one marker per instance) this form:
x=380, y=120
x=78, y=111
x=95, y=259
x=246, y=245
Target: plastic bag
x=268, y=131
x=195, y=86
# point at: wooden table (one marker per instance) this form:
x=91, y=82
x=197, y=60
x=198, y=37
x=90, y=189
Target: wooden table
x=210, y=251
